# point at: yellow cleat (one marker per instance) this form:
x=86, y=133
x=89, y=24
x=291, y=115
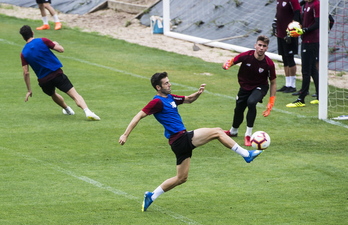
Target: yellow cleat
x=295, y=104
x=315, y=102
x=43, y=27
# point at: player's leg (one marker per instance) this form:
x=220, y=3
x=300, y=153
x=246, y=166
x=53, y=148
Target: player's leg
x=57, y=98
x=80, y=102
x=180, y=178
x=44, y=18
x=63, y=83
x=54, y=14
x=204, y=135
x=238, y=115
x=49, y=89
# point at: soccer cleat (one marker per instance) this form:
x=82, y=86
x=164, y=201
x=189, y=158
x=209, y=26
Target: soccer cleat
x=230, y=135
x=68, y=111
x=252, y=155
x=314, y=102
x=290, y=90
x=147, y=201
x=58, y=26
x=92, y=116
x=282, y=89
x=247, y=141
x=299, y=92
x=43, y=27
x=296, y=104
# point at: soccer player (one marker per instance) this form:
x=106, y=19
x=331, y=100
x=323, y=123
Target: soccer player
x=43, y=5
x=37, y=53
x=287, y=11
x=309, y=50
x=253, y=75
x=164, y=106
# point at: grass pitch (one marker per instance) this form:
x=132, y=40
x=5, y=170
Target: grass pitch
x=58, y=169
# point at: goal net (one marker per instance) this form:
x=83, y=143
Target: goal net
x=337, y=104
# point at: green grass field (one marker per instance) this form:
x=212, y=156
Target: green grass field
x=58, y=169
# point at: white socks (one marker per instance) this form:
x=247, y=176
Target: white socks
x=45, y=20
x=234, y=130
x=156, y=193
x=290, y=81
x=239, y=150
x=249, y=131
x=56, y=19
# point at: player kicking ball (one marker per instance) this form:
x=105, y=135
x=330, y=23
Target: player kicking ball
x=164, y=107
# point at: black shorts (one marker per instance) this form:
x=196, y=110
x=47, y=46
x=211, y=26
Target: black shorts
x=286, y=49
x=182, y=147
x=61, y=82
x=43, y=1
x=254, y=96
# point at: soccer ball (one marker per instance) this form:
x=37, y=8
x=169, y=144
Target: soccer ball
x=260, y=140
x=293, y=25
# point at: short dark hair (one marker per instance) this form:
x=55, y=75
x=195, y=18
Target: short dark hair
x=26, y=32
x=156, y=79
x=263, y=38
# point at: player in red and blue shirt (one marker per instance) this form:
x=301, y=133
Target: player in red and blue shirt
x=38, y=55
x=164, y=107
x=255, y=73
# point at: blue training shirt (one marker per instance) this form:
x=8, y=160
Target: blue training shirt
x=166, y=112
x=40, y=57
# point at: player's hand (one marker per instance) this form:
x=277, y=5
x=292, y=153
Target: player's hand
x=296, y=32
x=29, y=94
x=201, y=88
x=227, y=64
x=269, y=106
x=122, y=139
x=267, y=111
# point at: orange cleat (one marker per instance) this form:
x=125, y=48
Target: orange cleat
x=58, y=26
x=43, y=27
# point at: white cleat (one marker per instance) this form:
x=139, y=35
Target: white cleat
x=92, y=116
x=69, y=111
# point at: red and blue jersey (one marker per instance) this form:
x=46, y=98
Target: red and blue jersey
x=252, y=72
x=166, y=112
x=37, y=53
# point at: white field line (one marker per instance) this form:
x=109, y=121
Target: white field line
x=329, y=121
x=97, y=184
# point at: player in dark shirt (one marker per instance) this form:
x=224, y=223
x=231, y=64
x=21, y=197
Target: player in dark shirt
x=287, y=11
x=164, y=106
x=253, y=76
x=309, y=50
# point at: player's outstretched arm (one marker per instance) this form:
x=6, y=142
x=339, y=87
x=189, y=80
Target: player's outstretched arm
x=193, y=97
x=133, y=123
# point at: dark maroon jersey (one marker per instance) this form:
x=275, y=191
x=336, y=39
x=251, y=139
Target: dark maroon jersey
x=252, y=72
x=310, y=13
x=285, y=15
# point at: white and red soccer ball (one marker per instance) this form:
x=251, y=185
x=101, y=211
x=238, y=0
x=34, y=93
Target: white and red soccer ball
x=293, y=25
x=260, y=140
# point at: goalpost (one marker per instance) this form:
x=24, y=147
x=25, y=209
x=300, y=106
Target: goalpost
x=323, y=59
